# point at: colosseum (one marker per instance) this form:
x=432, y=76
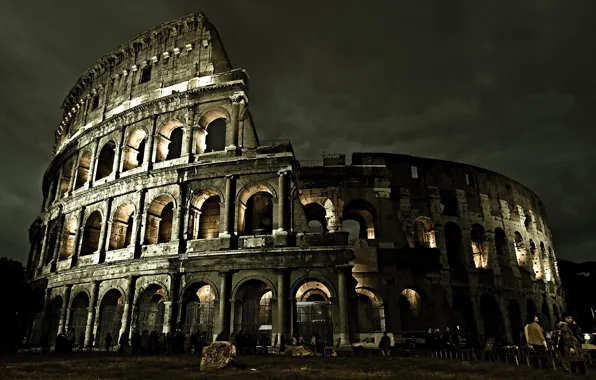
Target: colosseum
x=163, y=210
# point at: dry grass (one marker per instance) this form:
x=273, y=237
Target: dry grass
x=112, y=366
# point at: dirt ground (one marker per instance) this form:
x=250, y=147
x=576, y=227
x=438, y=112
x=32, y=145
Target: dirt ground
x=111, y=366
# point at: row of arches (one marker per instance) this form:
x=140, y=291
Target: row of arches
x=138, y=149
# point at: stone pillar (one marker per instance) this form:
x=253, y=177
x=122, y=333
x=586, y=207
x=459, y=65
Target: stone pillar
x=56, y=252
x=45, y=322
x=116, y=167
x=222, y=323
x=138, y=232
x=63, y=317
x=238, y=101
x=200, y=135
x=72, y=175
x=104, y=230
x=77, y=238
x=282, y=203
x=148, y=157
x=167, y=317
x=342, y=289
x=125, y=323
x=282, y=296
x=227, y=226
x=475, y=300
x=51, y=196
x=506, y=320
x=58, y=188
x=44, y=249
x=92, y=163
x=187, y=133
x=91, y=315
x=493, y=261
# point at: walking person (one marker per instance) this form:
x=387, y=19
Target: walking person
x=536, y=340
x=385, y=344
x=570, y=347
x=123, y=342
x=81, y=342
x=91, y=341
x=108, y=341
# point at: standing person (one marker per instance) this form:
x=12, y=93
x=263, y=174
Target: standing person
x=123, y=342
x=91, y=341
x=187, y=342
x=313, y=342
x=385, y=344
x=108, y=340
x=264, y=344
x=135, y=342
x=282, y=343
x=295, y=339
x=536, y=340
x=574, y=327
x=81, y=342
x=145, y=342
x=572, y=355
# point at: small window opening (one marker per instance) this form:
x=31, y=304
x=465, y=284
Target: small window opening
x=414, y=170
x=146, y=74
x=467, y=179
x=95, y=102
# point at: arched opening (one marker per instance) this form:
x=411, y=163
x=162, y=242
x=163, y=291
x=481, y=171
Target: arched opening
x=364, y=213
x=455, y=252
x=151, y=309
x=515, y=320
x=68, y=239
x=159, y=220
x=78, y=314
x=110, y=317
x=83, y=170
x=215, y=140
x=258, y=217
x=198, y=310
x=169, y=141
x=212, y=136
x=91, y=234
x=105, y=161
x=424, y=233
x=463, y=315
x=353, y=228
x=410, y=305
x=314, y=312
x=37, y=303
x=520, y=249
x=545, y=316
x=315, y=215
x=204, y=213
x=66, y=176
x=122, y=226
x=491, y=315
x=134, y=152
x=38, y=248
x=531, y=309
x=479, y=246
x=371, y=313
x=253, y=314
x=54, y=319
x=502, y=248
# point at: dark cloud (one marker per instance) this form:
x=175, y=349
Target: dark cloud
x=508, y=86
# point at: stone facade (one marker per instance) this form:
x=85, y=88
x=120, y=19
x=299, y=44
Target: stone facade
x=163, y=210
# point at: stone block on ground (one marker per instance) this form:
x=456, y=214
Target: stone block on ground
x=218, y=355
x=298, y=351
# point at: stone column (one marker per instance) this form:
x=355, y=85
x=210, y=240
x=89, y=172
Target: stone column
x=137, y=232
x=72, y=174
x=227, y=227
x=125, y=323
x=222, y=323
x=475, y=300
x=282, y=203
x=342, y=289
x=58, y=188
x=167, y=317
x=77, y=239
x=187, y=133
x=200, y=135
x=56, y=252
x=117, y=168
x=91, y=315
x=44, y=249
x=104, y=230
x=238, y=101
x=148, y=157
x=506, y=320
x=92, y=163
x=281, y=304
x=45, y=323
x=63, y=317
x=493, y=262
x=51, y=196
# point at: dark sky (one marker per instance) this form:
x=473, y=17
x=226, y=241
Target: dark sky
x=504, y=85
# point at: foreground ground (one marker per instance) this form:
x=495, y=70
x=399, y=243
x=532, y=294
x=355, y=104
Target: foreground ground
x=112, y=366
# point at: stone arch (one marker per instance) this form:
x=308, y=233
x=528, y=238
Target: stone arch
x=332, y=291
x=204, y=213
x=105, y=160
x=91, y=234
x=313, y=308
x=111, y=308
x=159, y=219
x=67, y=172
x=83, y=170
x=515, y=321
x=150, y=307
x=463, y=312
x=491, y=315
x=316, y=216
x=212, y=136
x=255, y=209
x=252, y=306
x=122, y=226
x=424, y=233
x=479, y=246
x=455, y=252
x=52, y=240
x=79, y=310
x=364, y=213
x=53, y=320
x=168, y=146
x=197, y=312
x=68, y=239
x=410, y=309
x=134, y=150
x=371, y=311
x=520, y=249
x=501, y=244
